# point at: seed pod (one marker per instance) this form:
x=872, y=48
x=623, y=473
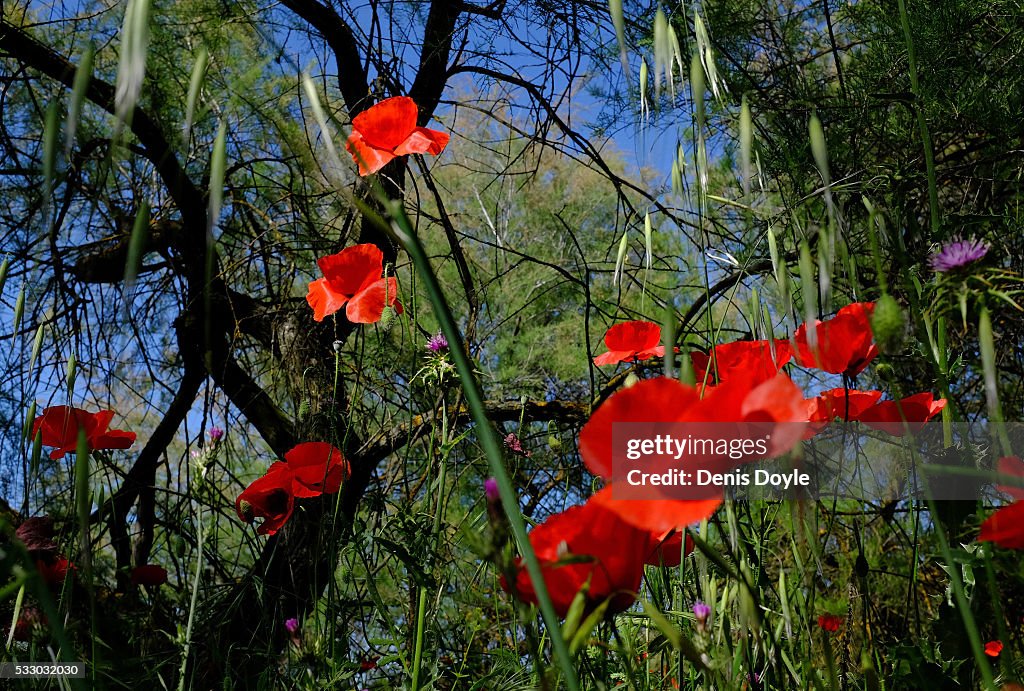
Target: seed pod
x=889, y=325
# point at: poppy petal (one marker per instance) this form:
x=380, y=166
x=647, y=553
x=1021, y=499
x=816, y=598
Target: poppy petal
x=654, y=401
x=323, y=300
x=387, y=124
x=844, y=343
x=1005, y=527
x=670, y=551
x=613, y=356
x=633, y=335
x=353, y=268
x=270, y=498
x=658, y=516
x=761, y=359
x=369, y=158
x=367, y=307
x=423, y=141
x=318, y=467
x=899, y=418
x=587, y=545
x=1012, y=465
x=114, y=439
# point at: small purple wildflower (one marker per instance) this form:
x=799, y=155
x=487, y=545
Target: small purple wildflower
x=701, y=611
x=292, y=625
x=215, y=433
x=437, y=343
x=958, y=254
x=491, y=489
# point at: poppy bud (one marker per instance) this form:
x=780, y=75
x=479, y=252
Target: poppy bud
x=885, y=371
x=888, y=324
x=387, y=318
x=245, y=509
x=631, y=380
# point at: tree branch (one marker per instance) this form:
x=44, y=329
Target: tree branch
x=432, y=75
x=187, y=197
x=352, y=79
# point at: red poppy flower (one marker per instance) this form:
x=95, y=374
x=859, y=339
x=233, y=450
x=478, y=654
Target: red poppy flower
x=60, y=424
x=1011, y=465
x=54, y=571
x=388, y=130
x=993, y=648
x=1005, y=527
x=830, y=622
x=901, y=417
x=271, y=497
x=759, y=360
x=318, y=468
x=845, y=343
x=352, y=279
x=669, y=551
x=586, y=545
x=628, y=341
x=149, y=574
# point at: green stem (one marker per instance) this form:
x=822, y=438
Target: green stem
x=947, y=411
x=421, y=608
x=922, y=123
x=193, y=604
x=403, y=230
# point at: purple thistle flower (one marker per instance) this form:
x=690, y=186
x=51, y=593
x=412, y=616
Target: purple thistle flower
x=292, y=625
x=437, y=343
x=216, y=433
x=957, y=254
x=491, y=490
x=701, y=611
